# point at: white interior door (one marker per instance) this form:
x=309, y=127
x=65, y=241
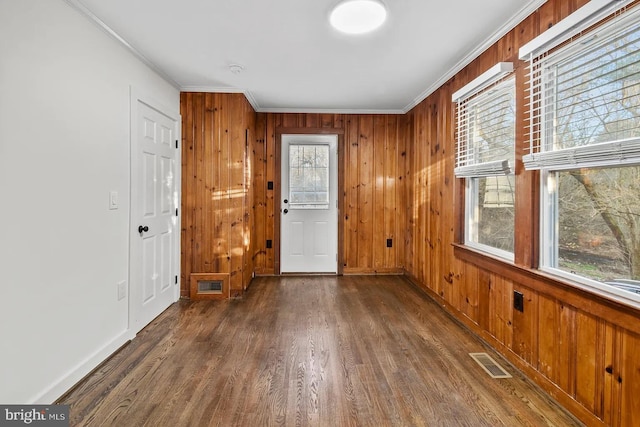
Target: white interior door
x=154, y=220
x=309, y=205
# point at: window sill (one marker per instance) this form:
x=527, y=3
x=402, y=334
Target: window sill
x=566, y=291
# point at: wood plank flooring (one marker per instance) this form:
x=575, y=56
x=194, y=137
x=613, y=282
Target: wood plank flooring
x=308, y=351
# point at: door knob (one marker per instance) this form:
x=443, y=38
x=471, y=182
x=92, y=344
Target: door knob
x=142, y=229
x=286, y=211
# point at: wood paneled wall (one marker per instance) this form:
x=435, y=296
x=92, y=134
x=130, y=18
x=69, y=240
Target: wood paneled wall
x=228, y=211
x=398, y=183
x=217, y=158
x=582, y=349
x=373, y=156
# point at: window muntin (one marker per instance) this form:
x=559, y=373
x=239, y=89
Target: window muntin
x=485, y=157
x=585, y=104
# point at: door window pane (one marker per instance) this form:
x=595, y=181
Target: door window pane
x=309, y=175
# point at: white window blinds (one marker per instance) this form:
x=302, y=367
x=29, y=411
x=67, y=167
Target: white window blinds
x=486, y=130
x=585, y=99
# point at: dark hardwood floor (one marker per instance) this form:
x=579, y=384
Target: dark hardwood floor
x=321, y=351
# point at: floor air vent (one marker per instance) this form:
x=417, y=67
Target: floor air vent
x=489, y=365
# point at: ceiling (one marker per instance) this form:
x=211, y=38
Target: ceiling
x=293, y=61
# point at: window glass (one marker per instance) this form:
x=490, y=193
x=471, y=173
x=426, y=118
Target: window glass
x=308, y=174
x=492, y=213
x=598, y=223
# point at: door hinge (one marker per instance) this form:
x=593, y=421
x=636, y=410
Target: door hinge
x=176, y=211
x=176, y=282
x=176, y=143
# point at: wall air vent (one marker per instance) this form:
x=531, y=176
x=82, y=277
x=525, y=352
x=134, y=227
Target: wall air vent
x=209, y=286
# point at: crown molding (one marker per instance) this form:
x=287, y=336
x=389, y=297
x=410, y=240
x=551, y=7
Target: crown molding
x=293, y=110
x=478, y=50
x=212, y=89
x=224, y=89
x=75, y=4
x=329, y=111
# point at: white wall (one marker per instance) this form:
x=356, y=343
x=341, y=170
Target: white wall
x=64, y=144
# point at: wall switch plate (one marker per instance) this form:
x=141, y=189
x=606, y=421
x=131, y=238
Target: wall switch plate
x=122, y=290
x=518, y=301
x=113, y=200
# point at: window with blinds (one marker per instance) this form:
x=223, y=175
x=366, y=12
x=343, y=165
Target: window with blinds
x=486, y=131
x=485, y=157
x=584, y=138
x=585, y=99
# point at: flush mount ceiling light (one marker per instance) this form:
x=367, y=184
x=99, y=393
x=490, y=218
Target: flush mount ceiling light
x=358, y=16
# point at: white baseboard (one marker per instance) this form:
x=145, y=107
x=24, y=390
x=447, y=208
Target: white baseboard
x=71, y=378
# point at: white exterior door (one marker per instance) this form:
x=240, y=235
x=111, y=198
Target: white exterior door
x=309, y=205
x=154, y=220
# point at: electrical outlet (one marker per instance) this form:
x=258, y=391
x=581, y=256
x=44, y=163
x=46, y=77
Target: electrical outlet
x=122, y=290
x=518, y=301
